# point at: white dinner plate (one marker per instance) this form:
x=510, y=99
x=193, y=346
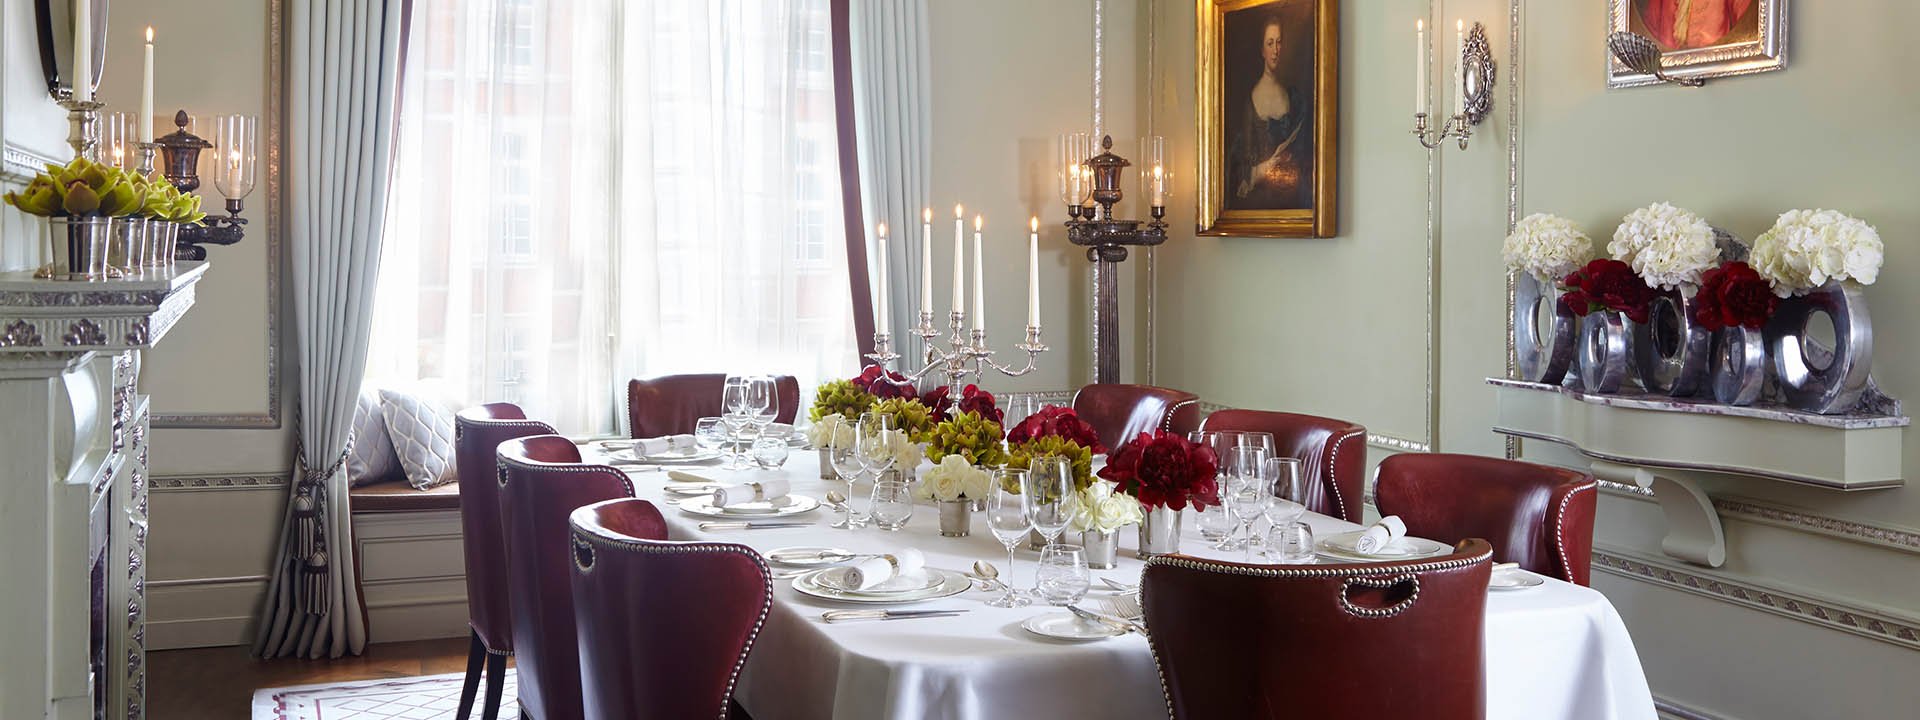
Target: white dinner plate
x=683, y=457
x=951, y=583
x=1514, y=579
x=809, y=555
x=778, y=507
x=1068, y=626
x=1407, y=548
x=835, y=578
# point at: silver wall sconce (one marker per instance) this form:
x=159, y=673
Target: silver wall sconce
x=1472, y=76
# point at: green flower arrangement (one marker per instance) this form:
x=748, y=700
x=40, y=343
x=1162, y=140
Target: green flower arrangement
x=83, y=188
x=842, y=397
x=970, y=436
x=1079, y=455
x=164, y=202
x=909, y=415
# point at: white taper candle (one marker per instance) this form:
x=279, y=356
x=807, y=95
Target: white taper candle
x=1033, y=272
x=880, y=296
x=83, y=50
x=926, y=261
x=146, y=93
x=1420, y=66
x=979, y=280
x=959, y=260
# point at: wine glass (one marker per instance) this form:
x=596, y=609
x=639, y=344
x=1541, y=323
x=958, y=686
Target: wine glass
x=1062, y=577
x=762, y=401
x=734, y=412
x=876, y=442
x=1216, y=523
x=843, y=453
x=1249, y=489
x=1049, y=480
x=1007, y=518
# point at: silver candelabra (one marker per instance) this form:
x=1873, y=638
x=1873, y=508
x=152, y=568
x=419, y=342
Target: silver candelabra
x=966, y=353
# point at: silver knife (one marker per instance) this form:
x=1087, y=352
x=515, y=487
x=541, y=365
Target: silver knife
x=1112, y=622
x=740, y=525
x=843, y=615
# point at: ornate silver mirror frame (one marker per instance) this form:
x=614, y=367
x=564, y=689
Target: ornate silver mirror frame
x=1477, y=73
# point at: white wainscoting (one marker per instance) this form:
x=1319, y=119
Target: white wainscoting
x=413, y=574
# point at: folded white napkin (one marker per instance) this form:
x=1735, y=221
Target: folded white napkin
x=665, y=444
x=874, y=571
x=750, y=492
x=1381, y=535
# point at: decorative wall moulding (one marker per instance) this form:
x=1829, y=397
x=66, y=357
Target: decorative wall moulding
x=262, y=481
x=1892, y=538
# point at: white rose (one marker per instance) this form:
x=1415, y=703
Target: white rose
x=907, y=454
x=1547, y=247
x=817, y=432
x=1667, y=246
x=1099, y=508
x=953, y=478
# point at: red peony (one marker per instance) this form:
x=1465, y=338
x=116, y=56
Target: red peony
x=1734, y=295
x=1060, y=421
x=1607, y=284
x=972, y=399
x=893, y=385
x=1162, y=469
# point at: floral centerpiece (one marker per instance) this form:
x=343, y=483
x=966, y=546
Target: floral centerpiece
x=79, y=199
x=972, y=399
x=1056, y=432
x=1817, y=261
x=839, y=397
x=970, y=436
x=954, y=484
x=1546, y=248
x=1165, y=473
x=1541, y=250
x=1098, y=513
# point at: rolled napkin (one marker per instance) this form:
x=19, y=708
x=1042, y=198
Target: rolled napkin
x=681, y=476
x=874, y=571
x=1378, y=537
x=750, y=492
x=662, y=445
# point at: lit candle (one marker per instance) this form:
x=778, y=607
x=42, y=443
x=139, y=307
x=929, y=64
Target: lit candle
x=959, y=260
x=879, y=297
x=1420, y=66
x=979, y=283
x=1033, y=272
x=1159, y=187
x=83, y=50
x=926, y=260
x=1459, y=72
x=146, y=93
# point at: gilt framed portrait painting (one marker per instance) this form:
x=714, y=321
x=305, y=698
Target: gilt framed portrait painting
x=1268, y=94
x=1702, y=38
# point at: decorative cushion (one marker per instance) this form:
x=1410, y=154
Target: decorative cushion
x=372, y=459
x=422, y=434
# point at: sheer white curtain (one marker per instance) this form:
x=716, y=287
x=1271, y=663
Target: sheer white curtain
x=594, y=190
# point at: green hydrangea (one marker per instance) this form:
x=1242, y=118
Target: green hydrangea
x=970, y=436
x=909, y=415
x=839, y=396
x=1055, y=446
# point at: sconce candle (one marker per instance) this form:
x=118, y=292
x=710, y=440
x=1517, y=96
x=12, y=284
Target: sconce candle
x=1459, y=67
x=1420, y=66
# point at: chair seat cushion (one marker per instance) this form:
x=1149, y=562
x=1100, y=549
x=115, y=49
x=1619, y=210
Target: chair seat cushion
x=397, y=496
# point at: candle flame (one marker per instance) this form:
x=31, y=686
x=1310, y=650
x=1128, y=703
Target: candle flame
x=1459, y=25
x=957, y=212
x=149, y=33
x=1033, y=224
x=883, y=230
x=1420, y=25
x=976, y=223
x=926, y=215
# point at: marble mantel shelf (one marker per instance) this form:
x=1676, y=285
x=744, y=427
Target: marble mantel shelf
x=1667, y=446
x=45, y=316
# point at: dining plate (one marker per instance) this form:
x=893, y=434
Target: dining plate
x=809, y=555
x=783, y=506
x=1407, y=548
x=684, y=457
x=1068, y=626
x=917, y=581
x=950, y=583
x=1514, y=579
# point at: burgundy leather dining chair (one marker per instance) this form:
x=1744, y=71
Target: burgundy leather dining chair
x=664, y=627
x=1121, y=412
x=671, y=404
x=542, y=482
x=1332, y=453
x=1536, y=515
x=1367, y=640
x=477, y=434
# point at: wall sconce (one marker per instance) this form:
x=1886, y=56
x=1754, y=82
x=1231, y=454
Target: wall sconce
x=1643, y=56
x=1473, y=80
x=234, y=147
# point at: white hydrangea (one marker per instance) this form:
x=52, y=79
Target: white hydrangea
x=953, y=478
x=1098, y=507
x=1808, y=248
x=1547, y=247
x=1667, y=246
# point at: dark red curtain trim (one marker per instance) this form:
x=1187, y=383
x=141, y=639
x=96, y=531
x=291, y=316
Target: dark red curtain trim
x=850, y=176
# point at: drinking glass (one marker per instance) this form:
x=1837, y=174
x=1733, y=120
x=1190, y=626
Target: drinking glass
x=843, y=453
x=770, y=452
x=1062, y=577
x=892, y=504
x=1007, y=518
x=875, y=440
x=762, y=402
x=1216, y=523
x=1020, y=408
x=734, y=413
x=1289, y=491
x=1290, y=543
x=1049, y=479
x=709, y=433
x=1249, y=489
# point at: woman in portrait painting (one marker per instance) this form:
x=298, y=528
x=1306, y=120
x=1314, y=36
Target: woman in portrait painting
x=1687, y=24
x=1269, y=154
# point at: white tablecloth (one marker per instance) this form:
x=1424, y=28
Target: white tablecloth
x=1555, y=651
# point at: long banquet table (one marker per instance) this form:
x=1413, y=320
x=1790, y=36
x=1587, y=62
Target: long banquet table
x=1554, y=651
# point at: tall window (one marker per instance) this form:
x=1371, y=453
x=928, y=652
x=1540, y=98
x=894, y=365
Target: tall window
x=595, y=190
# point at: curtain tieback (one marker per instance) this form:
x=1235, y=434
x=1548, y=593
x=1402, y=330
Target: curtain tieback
x=309, y=546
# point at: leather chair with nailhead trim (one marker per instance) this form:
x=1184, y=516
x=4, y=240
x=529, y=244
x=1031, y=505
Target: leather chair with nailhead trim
x=1332, y=453
x=1539, y=516
x=1119, y=413
x=664, y=627
x=542, y=482
x=477, y=434
x=1366, y=640
x=671, y=404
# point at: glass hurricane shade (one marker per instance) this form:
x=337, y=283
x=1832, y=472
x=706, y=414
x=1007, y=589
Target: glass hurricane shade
x=235, y=139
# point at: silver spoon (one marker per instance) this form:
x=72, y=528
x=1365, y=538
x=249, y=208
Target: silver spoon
x=1120, y=586
x=985, y=572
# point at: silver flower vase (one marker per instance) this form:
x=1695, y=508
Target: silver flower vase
x=1739, y=366
x=1103, y=548
x=1812, y=376
x=826, y=464
x=1544, y=334
x=1159, y=532
x=1603, y=351
x=956, y=518
x=78, y=248
x=1671, y=350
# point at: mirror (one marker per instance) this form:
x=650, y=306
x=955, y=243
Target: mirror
x=53, y=23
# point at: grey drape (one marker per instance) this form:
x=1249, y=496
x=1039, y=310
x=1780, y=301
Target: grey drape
x=343, y=66
x=893, y=113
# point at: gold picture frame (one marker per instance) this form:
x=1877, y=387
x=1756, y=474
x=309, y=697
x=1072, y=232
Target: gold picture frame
x=1257, y=178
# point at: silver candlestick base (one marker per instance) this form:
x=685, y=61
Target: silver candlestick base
x=1457, y=126
x=966, y=354
x=83, y=117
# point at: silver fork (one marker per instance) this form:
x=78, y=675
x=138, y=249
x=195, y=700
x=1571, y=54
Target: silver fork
x=1121, y=606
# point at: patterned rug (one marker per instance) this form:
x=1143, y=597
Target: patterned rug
x=429, y=697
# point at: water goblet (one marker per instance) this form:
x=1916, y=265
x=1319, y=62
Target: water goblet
x=762, y=401
x=876, y=442
x=892, y=504
x=1007, y=518
x=1049, y=480
x=1249, y=489
x=843, y=453
x=1062, y=578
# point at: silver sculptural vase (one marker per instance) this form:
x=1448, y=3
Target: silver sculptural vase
x=1543, y=346
x=1671, y=350
x=1603, y=351
x=1739, y=366
x=1812, y=376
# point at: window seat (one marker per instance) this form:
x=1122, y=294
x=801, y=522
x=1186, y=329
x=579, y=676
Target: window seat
x=396, y=496
x=412, y=571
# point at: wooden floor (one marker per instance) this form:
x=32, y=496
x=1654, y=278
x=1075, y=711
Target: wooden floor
x=218, y=683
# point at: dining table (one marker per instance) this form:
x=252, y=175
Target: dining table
x=1556, y=650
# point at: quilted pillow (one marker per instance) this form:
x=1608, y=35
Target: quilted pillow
x=373, y=459
x=422, y=434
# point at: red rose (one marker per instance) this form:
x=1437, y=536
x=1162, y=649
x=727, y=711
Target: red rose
x=1060, y=421
x=1733, y=295
x=883, y=384
x=1162, y=469
x=1611, y=284
x=975, y=400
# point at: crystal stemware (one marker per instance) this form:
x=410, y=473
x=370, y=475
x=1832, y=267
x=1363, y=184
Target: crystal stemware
x=843, y=453
x=1249, y=489
x=1216, y=523
x=1049, y=480
x=762, y=401
x=876, y=442
x=1007, y=518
